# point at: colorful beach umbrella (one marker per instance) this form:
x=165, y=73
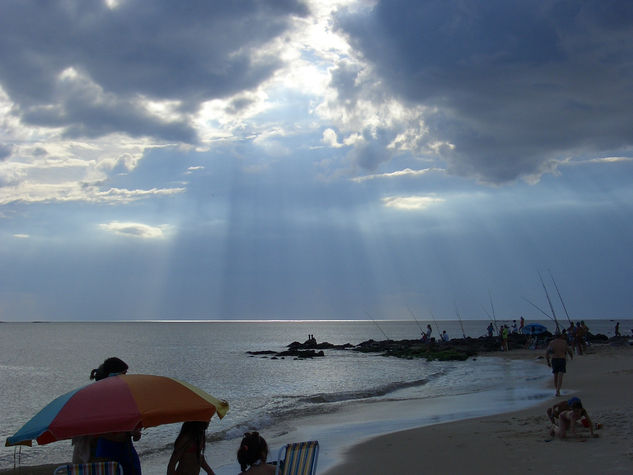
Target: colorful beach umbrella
x=119, y=404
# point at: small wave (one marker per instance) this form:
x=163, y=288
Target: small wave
x=363, y=393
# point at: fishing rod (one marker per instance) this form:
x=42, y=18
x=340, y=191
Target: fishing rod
x=435, y=321
x=461, y=324
x=416, y=320
x=538, y=308
x=549, y=301
x=376, y=323
x=559, y=296
x=494, y=317
x=492, y=322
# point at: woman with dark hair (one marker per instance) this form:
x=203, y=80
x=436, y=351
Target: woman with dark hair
x=252, y=455
x=85, y=447
x=110, y=367
x=116, y=446
x=188, y=455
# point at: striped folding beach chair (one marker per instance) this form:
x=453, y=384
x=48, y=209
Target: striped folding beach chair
x=299, y=458
x=94, y=468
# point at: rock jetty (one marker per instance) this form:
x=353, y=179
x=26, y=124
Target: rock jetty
x=457, y=349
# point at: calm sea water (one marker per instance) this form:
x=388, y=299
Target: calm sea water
x=40, y=361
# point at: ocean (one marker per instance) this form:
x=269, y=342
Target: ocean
x=340, y=399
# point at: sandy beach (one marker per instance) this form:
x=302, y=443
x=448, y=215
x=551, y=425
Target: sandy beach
x=519, y=442
x=516, y=442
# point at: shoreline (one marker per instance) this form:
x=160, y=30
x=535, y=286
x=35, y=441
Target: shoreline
x=519, y=442
x=501, y=436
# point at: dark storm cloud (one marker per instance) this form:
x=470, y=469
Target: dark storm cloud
x=344, y=79
x=514, y=84
x=188, y=51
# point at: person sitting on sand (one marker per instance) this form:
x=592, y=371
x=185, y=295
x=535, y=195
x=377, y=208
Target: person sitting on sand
x=188, y=455
x=553, y=413
x=556, y=355
x=252, y=455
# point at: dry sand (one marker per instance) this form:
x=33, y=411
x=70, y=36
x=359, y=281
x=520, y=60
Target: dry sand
x=513, y=443
x=519, y=442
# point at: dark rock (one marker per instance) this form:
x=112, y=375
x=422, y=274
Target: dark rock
x=313, y=345
x=302, y=353
x=457, y=349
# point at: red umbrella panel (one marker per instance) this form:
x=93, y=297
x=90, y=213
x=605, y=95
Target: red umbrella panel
x=119, y=404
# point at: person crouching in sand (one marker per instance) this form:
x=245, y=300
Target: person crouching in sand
x=566, y=427
x=252, y=455
x=583, y=419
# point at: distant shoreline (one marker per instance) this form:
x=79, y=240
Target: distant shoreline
x=316, y=320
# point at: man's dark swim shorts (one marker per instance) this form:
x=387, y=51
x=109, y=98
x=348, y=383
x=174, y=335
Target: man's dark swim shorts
x=559, y=365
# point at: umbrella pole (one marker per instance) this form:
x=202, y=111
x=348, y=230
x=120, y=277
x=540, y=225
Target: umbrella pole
x=17, y=454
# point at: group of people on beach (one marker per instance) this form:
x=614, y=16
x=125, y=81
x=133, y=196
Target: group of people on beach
x=189, y=447
x=577, y=336
x=505, y=331
x=187, y=457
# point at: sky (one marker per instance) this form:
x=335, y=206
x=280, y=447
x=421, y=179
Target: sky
x=317, y=159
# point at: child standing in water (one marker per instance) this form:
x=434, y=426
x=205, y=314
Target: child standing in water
x=188, y=455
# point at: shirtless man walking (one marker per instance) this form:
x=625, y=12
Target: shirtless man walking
x=556, y=355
